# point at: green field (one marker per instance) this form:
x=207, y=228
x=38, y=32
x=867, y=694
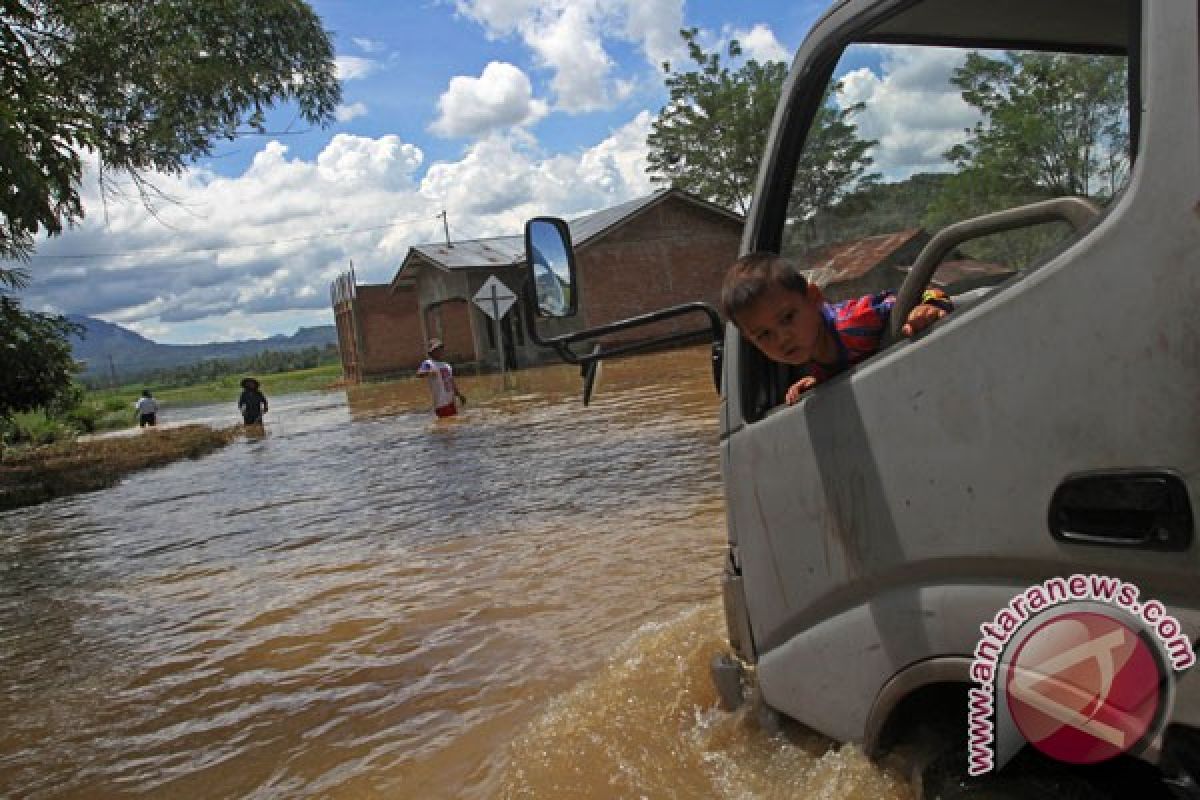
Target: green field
x=117, y=404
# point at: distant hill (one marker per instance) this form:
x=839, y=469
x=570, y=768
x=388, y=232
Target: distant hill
x=105, y=347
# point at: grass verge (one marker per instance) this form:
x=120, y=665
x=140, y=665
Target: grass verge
x=33, y=475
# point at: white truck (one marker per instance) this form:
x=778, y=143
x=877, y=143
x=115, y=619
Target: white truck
x=1048, y=428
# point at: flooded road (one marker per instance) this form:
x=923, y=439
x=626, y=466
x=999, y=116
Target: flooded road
x=517, y=603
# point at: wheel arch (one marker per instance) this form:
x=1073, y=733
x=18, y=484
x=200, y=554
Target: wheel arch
x=933, y=684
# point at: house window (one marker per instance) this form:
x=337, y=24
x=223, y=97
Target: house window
x=909, y=139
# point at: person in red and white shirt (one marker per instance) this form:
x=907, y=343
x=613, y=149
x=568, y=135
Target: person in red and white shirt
x=441, y=380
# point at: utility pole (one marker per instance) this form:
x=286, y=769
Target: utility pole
x=445, y=226
x=112, y=371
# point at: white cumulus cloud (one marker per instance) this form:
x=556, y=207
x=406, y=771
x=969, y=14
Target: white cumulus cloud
x=254, y=254
x=500, y=97
x=570, y=39
x=760, y=44
x=911, y=108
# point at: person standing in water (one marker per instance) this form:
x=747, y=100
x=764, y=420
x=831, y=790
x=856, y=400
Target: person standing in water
x=252, y=403
x=146, y=410
x=441, y=380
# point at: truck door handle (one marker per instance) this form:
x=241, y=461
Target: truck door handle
x=1144, y=509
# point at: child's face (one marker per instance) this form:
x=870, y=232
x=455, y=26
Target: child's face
x=787, y=326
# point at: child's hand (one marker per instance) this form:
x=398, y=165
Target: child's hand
x=798, y=388
x=921, y=318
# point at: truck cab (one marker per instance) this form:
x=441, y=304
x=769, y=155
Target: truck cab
x=1046, y=428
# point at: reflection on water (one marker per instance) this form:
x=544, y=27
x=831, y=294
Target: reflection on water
x=366, y=602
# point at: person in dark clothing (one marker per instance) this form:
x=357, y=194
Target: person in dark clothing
x=252, y=403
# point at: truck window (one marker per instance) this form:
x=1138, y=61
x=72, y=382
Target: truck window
x=912, y=138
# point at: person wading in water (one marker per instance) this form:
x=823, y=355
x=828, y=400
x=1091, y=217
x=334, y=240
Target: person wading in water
x=252, y=403
x=441, y=380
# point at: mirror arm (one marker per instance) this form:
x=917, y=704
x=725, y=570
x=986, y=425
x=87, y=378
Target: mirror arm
x=561, y=344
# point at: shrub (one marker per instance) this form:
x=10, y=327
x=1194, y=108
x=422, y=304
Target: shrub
x=35, y=428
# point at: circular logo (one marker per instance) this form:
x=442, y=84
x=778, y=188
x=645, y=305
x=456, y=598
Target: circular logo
x=1084, y=687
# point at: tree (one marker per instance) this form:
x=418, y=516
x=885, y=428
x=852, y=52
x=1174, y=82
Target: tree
x=36, y=366
x=710, y=135
x=833, y=165
x=141, y=85
x=1051, y=124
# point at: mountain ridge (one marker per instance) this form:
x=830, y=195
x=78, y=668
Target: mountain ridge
x=106, y=348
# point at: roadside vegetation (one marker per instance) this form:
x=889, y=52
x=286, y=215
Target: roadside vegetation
x=141, y=89
x=30, y=475
x=43, y=456
x=103, y=410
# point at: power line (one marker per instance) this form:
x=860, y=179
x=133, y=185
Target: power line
x=135, y=253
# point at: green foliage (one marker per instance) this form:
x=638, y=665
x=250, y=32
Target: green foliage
x=833, y=164
x=143, y=85
x=36, y=366
x=1052, y=123
x=875, y=208
x=115, y=406
x=263, y=363
x=35, y=428
x=709, y=137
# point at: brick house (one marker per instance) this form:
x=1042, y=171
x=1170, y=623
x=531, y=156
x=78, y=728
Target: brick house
x=659, y=250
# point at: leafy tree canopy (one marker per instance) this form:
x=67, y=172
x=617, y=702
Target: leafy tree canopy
x=1052, y=123
x=711, y=134
x=140, y=85
x=36, y=366
x=833, y=164
x=143, y=85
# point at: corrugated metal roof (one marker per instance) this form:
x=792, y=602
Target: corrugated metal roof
x=503, y=251
x=498, y=251
x=592, y=225
x=846, y=261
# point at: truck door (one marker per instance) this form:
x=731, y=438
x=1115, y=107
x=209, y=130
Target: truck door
x=881, y=519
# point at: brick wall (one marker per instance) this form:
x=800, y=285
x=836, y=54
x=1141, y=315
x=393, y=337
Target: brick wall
x=675, y=252
x=390, y=329
x=450, y=321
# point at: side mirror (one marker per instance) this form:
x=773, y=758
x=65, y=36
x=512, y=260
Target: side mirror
x=551, y=267
x=551, y=291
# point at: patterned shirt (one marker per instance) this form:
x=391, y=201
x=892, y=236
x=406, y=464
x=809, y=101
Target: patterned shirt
x=858, y=327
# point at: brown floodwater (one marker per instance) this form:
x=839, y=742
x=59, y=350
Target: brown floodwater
x=365, y=602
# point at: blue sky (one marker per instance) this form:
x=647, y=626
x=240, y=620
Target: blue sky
x=493, y=110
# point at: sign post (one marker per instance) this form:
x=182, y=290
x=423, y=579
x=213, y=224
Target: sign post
x=495, y=299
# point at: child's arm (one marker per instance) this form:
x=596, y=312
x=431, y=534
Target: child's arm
x=935, y=304
x=798, y=388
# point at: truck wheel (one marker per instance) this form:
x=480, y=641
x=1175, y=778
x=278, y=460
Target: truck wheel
x=1026, y=776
